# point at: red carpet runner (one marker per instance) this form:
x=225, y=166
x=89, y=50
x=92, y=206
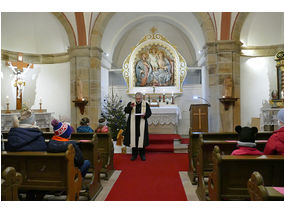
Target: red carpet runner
x=156, y=179
x=162, y=142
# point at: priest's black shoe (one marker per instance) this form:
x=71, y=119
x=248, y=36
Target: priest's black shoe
x=133, y=157
x=142, y=157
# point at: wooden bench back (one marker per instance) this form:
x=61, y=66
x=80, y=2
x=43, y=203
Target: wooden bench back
x=228, y=180
x=260, y=192
x=196, y=137
x=205, y=150
x=106, y=150
x=10, y=182
x=46, y=171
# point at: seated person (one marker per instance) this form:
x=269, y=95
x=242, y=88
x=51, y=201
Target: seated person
x=60, y=141
x=84, y=125
x=25, y=135
x=275, y=144
x=246, y=144
x=102, y=128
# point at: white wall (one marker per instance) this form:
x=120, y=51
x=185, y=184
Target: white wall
x=49, y=81
x=258, y=79
x=38, y=33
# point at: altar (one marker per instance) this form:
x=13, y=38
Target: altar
x=43, y=120
x=164, y=119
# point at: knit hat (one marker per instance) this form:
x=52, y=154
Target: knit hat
x=61, y=129
x=27, y=117
x=280, y=115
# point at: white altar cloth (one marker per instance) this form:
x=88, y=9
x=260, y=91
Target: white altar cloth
x=43, y=120
x=165, y=114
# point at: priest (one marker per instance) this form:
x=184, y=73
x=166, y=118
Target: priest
x=137, y=135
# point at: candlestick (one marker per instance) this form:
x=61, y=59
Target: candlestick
x=173, y=99
x=164, y=97
x=7, y=109
x=40, y=109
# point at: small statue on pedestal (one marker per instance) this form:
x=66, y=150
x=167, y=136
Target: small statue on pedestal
x=274, y=95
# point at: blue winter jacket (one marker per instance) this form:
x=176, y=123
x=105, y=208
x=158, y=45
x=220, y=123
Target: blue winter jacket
x=84, y=129
x=25, y=139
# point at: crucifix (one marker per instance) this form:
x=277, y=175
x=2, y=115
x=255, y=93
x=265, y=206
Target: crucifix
x=19, y=67
x=199, y=117
x=199, y=114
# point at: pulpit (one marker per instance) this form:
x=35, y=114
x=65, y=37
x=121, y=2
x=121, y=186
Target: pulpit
x=199, y=117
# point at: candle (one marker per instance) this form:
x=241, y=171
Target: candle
x=7, y=99
x=172, y=93
x=40, y=100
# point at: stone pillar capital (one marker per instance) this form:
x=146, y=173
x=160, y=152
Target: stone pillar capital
x=222, y=46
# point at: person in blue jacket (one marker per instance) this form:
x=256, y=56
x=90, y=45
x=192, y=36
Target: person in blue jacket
x=84, y=125
x=60, y=141
x=25, y=135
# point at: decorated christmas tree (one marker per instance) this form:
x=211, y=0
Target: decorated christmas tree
x=113, y=112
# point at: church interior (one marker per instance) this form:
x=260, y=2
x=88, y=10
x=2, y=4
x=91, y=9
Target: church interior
x=221, y=70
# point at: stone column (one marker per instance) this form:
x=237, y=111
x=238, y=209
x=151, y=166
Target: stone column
x=82, y=68
x=223, y=60
x=95, y=83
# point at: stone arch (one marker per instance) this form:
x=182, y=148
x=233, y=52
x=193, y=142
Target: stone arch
x=103, y=18
x=68, y=28
x=239, y=22
x=207, y=26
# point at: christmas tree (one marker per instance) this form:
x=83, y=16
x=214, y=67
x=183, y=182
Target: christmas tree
x=113, y=112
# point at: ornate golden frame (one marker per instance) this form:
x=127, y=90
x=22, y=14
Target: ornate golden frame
x=180, y=67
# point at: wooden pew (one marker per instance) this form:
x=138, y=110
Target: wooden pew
x=228, y=180
x=204, y=163
x=260, y=192
x=10, y=182
x=91, y=153
x=193, y=147
x=43, y=171
x=106, y=150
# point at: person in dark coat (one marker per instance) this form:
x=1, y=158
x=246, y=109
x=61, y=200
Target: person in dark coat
x=136, y=135
x=60, y=141
x=275, y=144
x=25, y=135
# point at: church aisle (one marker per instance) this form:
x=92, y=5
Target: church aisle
x=156, y=179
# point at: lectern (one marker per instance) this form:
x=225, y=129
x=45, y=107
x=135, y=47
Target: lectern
x=199, y=117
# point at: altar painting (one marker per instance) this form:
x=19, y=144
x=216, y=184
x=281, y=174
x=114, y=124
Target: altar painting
x=154, y=67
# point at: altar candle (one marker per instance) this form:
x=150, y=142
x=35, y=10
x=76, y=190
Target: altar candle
x=7, y=99
x=172, y=93
x=40, y=100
